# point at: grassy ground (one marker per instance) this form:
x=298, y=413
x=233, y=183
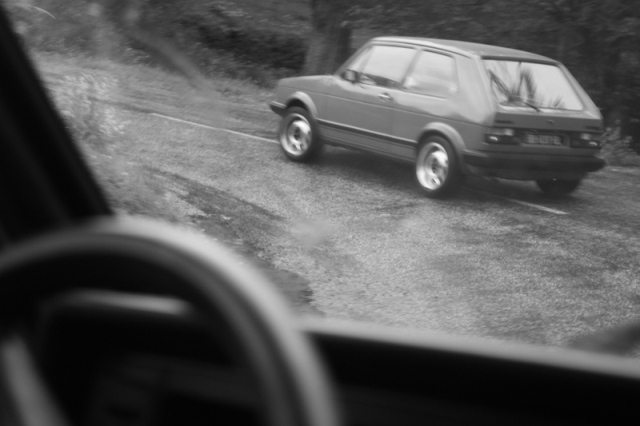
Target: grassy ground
x=137, y=176
x=232, y=104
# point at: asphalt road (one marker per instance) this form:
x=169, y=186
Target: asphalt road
x=496, y=260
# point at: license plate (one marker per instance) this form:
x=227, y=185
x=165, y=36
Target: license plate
x=542, y=139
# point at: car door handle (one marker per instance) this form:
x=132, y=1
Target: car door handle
x=385, y=97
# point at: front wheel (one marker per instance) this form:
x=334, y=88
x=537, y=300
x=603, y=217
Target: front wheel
x=558, y=187
x=437, y=168
x=298, y=135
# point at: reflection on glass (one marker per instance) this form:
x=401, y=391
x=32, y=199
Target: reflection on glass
x=387, y=65
x=433, y=74
x=531, y=85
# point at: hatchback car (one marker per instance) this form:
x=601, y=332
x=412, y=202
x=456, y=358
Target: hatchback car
x=453, y=108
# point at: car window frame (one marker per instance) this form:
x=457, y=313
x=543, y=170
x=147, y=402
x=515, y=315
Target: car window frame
x=58, y=188
x=366, y=49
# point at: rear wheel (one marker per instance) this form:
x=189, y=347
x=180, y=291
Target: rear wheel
x=558, y=187
x=437, y=168
x=298, y=135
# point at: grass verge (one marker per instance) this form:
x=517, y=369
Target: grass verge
x=104, y=105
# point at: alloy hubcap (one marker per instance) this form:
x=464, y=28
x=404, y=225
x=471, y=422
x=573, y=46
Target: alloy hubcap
x=433, y=166
x=297, y=136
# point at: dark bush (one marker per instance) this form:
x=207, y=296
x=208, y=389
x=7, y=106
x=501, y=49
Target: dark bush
x=263, y=47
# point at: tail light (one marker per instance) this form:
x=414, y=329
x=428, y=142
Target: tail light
x=501, y=135
x=586, y=140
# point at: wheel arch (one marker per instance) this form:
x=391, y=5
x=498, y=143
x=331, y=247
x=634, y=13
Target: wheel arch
x=302, y=100
x=447, y=132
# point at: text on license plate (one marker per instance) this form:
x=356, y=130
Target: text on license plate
x=542, y=139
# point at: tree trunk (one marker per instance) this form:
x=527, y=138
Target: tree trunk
x=330, y=41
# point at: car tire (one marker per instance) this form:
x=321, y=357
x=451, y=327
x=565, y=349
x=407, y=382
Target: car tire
x=558, y=187
x=298, y=135
x=437, y=170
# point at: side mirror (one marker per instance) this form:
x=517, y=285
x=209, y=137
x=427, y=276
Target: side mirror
x=350, y=75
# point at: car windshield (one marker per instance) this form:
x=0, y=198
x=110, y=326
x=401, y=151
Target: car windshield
x=518, y=83
x=172, y=103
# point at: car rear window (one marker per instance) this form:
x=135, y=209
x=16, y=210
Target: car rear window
x=530, y=84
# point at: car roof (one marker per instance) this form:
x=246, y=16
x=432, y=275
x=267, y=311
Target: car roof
x=468, y=48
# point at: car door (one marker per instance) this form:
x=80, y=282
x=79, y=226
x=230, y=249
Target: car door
x=360, y=112
x=429, y=90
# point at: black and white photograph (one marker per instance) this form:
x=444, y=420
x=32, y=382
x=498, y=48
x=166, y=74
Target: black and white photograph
x=319, y=212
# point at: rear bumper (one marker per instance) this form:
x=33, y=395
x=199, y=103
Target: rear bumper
x=530, y=166
x=278, y=108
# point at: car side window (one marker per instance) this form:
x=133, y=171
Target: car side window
x=356, y=64
x=386, y=66
x=433, y=74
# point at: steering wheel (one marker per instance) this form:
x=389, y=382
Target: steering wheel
x=148, y=257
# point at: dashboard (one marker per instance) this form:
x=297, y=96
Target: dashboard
x=145, y=360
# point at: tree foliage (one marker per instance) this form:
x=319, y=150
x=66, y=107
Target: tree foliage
x=598, y=40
